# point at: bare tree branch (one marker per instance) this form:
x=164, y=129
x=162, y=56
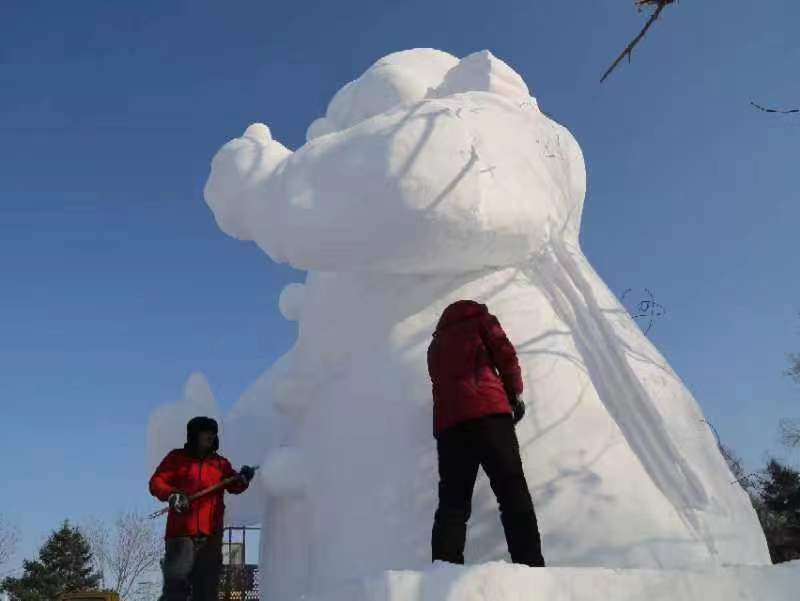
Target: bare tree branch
x=9, y=537
x=794, y=367
x=790, y=432
x=125, y=552
x=97, y=533
x=660, y=6
x=790, y=428
x=781, y=111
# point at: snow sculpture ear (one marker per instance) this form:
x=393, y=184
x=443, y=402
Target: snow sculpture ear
x=198, y=391
x=393, y=80
x=483, y=72
x=236, y=170
x=167, y=425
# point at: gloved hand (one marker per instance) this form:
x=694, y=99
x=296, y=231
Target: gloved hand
x=247, y=473
x=517, y=409
x=178, y=502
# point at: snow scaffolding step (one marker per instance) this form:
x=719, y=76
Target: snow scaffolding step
x=506, y=582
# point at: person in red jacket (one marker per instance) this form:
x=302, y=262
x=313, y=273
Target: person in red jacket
x=477, y=383
x=193, y=557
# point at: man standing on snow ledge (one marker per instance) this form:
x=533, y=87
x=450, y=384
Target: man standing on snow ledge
x=193, y=558
x=477, y=383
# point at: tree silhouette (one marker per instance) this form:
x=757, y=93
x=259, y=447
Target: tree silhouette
x=65, y=565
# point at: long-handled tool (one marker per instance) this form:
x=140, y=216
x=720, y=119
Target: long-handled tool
x=202, y=493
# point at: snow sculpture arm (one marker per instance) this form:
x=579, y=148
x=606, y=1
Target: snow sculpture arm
x=502, y=353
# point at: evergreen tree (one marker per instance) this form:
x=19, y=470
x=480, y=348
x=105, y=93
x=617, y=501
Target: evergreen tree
x=781, y=488
x=64, y=566
x=778, y=507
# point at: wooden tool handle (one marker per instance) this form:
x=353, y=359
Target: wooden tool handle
x=202, y=493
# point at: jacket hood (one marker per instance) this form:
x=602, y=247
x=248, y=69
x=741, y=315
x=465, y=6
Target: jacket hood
x=460, y=311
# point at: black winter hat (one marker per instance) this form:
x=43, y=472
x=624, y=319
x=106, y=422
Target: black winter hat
x=201, y=424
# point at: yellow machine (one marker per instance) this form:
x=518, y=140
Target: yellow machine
x=90, y=596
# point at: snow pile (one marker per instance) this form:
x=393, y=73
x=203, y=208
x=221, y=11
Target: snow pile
x=431, y=179
x=505, y=582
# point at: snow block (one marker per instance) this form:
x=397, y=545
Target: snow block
x=506, y=582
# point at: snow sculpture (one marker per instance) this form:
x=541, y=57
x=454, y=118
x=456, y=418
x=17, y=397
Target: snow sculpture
x=431, y=179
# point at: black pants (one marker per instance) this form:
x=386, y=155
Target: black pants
x=491, y=443
x=191, y=568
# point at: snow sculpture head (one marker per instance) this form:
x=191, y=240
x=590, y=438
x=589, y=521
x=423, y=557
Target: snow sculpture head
x=432, y=179
x=454, y=155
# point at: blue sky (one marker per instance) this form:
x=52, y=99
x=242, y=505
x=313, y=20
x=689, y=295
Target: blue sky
x=116, y=283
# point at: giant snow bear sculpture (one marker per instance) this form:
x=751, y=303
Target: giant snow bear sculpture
x=431, y=179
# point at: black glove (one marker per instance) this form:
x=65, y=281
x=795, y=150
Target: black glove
x=517, y=410
x=247, y=473
x=178, y=502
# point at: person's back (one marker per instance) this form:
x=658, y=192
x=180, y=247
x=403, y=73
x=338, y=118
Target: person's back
x=477, y=381
x=473, y=366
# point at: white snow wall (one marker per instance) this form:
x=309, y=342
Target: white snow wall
x=431, y=180
x=503, y=582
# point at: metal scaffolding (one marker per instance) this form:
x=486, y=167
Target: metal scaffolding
x=239, y=581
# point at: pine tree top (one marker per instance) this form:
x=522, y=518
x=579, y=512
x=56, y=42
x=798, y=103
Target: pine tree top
x=64, y=566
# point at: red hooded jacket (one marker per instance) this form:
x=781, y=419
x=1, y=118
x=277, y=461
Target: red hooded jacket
x=181, y=471
x=473, y=366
